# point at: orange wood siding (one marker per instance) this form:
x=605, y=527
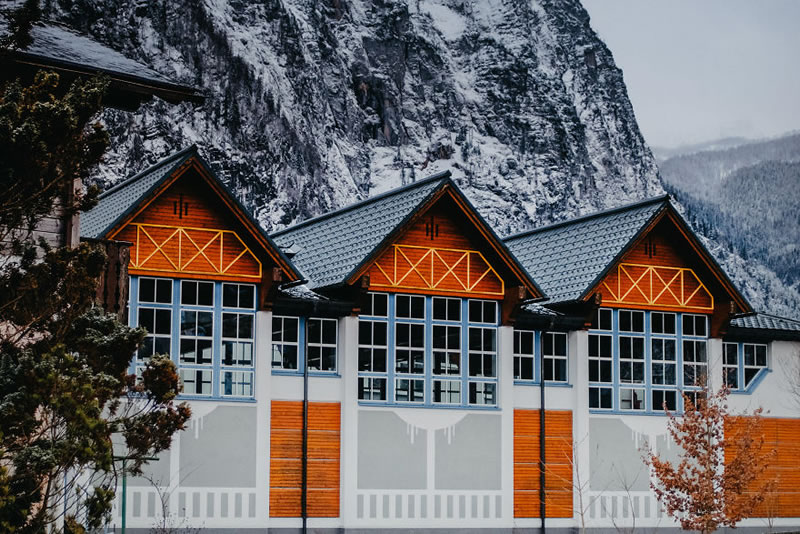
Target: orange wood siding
x=558, y=463
x=782, y=435
x=204, y=242
x=286, y=448
x=659, y=273
x=435, y=256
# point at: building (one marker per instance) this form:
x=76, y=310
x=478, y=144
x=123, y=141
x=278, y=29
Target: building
x=426, y=339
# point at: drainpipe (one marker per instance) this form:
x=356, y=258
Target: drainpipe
x=304, y=490
x=304, y=454
x=542, y=477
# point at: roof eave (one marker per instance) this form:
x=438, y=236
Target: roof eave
x=256, y=228
x=745, y=305
x=502, y=249
x=176, y=91
x=177, y=164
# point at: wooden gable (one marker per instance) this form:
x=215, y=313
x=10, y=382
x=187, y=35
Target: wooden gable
x=188, y=229
x=664, y=269
x=443, y=251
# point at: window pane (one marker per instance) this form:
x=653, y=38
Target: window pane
x=163, y=291
x=245, y=326
x=147, y=290
x=700, y=325
x=230, y=296
x=161, y=345
x=229, y=325
x=329, y=332
x=625, y=321
x=526, y=369
x=379, y=334
x=163, y=322
x=688, y=325
x=605, y=319
x=247, y=296
x=439, y=309
x=188, y=292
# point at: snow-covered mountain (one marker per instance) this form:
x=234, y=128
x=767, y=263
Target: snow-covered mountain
x=313, y=104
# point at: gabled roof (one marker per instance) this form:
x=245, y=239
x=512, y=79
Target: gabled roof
x=570, y=258
x=567, y=257
x=61, y=48
x=331, y=246
x=334, y=247
x=764, y=325
x=120, y=203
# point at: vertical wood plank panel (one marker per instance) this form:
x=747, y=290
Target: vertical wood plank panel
x=558, y=466
x=286, y=442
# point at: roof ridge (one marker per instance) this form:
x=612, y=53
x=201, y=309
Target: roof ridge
x=437, y=176
x=169, y=159
x=582, y=218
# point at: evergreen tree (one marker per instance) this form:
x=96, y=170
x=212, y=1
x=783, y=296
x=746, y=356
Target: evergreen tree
x=65, y=393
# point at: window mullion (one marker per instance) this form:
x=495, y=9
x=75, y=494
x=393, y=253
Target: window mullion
x=216, y=352
x=390, y=349
x=428, y=352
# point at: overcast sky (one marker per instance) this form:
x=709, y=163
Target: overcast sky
x=698, y=70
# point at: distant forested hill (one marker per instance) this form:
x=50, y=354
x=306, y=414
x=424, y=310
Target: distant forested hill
x=746, y=198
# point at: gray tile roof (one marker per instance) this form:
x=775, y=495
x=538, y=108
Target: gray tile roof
x=330, y=247
x=116, y=202
x=54, y=41
x=764, y=321
x=567, y=258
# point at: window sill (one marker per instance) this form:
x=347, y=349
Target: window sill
x=315, y=374
x=547, y=384
x=237, y=400
x=383, y=404
x=595, y=411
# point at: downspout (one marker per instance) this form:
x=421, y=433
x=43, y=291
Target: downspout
x=542, y=477
x=304, y=453
x=304, y=483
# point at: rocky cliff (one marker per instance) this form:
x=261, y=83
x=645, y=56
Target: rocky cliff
x=314, y=104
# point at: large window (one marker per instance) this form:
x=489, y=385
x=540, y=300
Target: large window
x=742, y=363
x=207, y=327
x=641, y=361
x=322, y=344
x=373, y=348
x=427, y=351
x=529, y=346
x=285, y=342
x=293, y=336
x=601, y=371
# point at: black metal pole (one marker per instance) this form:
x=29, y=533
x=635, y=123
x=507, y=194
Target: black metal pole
x=304, y=488
x=542, y=476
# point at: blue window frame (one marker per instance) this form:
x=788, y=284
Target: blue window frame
x=744, y=365
x=207, y=328
x=641, y=361
x=531, y=347
x=430, y=351
x=291, y=336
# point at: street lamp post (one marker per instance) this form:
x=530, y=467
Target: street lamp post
x=124, y=460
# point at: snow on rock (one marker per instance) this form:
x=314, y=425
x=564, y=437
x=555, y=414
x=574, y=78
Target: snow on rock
x=315, y=104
